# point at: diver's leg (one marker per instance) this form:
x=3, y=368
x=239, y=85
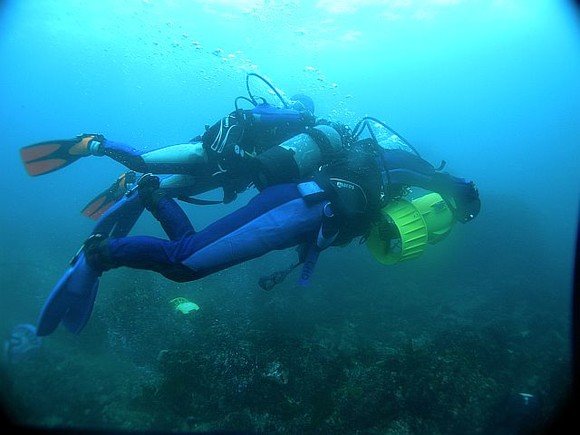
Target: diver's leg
x=187, y=158
x=277, y=218
x=46, y=157
x=71, y=300
x=156, y=200
x=175, y=185
x=117, y=216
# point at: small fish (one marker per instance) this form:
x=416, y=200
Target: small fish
x=21, y=343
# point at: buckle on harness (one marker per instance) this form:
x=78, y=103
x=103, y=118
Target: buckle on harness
x=310, y=191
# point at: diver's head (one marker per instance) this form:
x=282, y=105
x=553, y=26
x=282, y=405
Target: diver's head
x=301, y=102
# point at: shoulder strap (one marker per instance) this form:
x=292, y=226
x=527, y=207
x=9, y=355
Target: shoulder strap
x=328, y=151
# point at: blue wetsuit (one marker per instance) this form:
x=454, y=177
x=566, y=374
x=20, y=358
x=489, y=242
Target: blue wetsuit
x=278, y=218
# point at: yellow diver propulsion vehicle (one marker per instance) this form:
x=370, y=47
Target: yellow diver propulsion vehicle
x=407, y=226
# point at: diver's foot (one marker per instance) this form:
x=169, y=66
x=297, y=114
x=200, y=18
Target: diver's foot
x=149, y=192
x=95, y=252
x=88, y=144
x=105, y=200
x=71, y=300
x=45, y=157
x=127, y=181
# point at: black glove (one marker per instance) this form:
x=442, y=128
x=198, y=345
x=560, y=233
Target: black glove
x=467, y=202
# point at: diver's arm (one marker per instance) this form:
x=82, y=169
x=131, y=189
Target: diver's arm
x=408, y=169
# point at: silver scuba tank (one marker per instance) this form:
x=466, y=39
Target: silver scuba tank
x=306, y=151
x=296, y=158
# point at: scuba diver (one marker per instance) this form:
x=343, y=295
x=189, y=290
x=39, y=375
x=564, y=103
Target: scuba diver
x=365, y=190
x=218, y=158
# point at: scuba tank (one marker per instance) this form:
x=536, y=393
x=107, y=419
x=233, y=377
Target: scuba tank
x=298, y=157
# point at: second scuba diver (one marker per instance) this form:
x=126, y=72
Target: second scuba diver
x=221, y=157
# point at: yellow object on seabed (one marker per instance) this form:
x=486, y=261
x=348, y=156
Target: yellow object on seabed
x=183, y=305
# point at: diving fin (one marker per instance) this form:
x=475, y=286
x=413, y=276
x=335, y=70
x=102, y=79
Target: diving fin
x=80, y=311
x=120, y=218
x=105, y=200
x=55, y=307
x=45, y=157
x=72, y=299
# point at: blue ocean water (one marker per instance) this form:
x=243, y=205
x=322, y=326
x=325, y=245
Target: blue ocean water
x=491, y=87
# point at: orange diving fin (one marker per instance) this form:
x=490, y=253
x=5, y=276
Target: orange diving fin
x=105, y=200
x=45, y=157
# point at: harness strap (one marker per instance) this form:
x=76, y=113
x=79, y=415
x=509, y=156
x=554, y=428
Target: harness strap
x=268, y=282
x=327, y=234
x=321, y=140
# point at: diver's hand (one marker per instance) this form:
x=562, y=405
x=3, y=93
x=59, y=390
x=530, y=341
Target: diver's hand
x=467, y=202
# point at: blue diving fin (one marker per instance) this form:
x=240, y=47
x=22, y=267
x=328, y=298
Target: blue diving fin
x=72, y=299
x=120, y=218
x=85, y=279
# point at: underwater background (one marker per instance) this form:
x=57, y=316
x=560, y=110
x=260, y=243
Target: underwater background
x=442, y=344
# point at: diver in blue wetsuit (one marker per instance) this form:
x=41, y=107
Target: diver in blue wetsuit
x=359, y=192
